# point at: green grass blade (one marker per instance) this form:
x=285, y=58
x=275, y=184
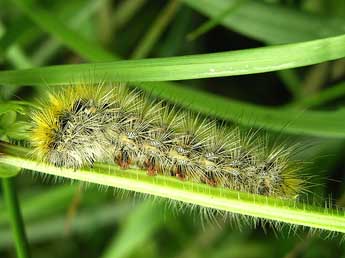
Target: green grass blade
x=271, y=23
x=214, y=21
x=15, y=217
x=262, y=25
x=322, y=97
x=12, y=51
x=78, y=18
x=125, y=11
x=50, y=23
x=86, y=221
x=43, y=204
x=199, y=194
x=248, y=61
x=140, y=225
x=157, y=28
x=292, y=82
x=280, y=120
x=188, y=67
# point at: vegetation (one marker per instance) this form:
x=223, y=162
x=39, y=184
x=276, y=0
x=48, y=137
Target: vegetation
x=277, y=66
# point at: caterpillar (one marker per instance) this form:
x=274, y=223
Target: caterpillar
x=82, y=124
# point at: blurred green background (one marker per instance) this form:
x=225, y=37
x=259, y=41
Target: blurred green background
x=64, y=220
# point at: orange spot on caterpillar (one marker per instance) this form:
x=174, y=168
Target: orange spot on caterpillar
x=123, y=160
x=151, y=169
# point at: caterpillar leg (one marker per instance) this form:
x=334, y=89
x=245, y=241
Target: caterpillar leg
x=123, y=160
x=180, y=173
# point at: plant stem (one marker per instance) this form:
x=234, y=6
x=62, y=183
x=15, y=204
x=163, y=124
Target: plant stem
x=222, y=199
x=15, y=217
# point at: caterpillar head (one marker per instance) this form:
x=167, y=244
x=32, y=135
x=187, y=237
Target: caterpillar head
x=69, y=128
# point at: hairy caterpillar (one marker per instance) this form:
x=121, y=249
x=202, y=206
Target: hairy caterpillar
x=82, y=124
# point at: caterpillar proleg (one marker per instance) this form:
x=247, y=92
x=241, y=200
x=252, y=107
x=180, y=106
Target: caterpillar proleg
x=79, y=125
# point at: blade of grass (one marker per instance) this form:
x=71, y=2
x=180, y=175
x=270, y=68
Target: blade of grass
x=155, y=31
x=15, y=30
x=248, y=61
x=43, y=204
x=271, y=23
x=213, y=22
x=138, y=227
x=48, y=229
x=125, y=11
x=204, y=195
x=14, y=53
x=16, y=220
x=24, y=32
x=320, y=98
x=292, y=82
x=187, y=67
x=50, y=23
x=175, y=40
x=280, y=120
x=104, y=28
x=79, y=17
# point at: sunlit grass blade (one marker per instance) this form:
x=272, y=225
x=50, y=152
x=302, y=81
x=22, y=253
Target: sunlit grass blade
x=188, y=192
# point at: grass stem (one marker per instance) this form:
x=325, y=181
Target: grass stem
x=15, y=217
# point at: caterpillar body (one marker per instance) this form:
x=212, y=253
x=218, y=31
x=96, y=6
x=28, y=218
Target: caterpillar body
x=82, y=124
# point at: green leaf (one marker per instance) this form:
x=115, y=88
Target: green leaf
x=18, y=130
x=223, y=199
x=9, y=127
x=8, y=170
x=10, y=106
x=8, y=118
